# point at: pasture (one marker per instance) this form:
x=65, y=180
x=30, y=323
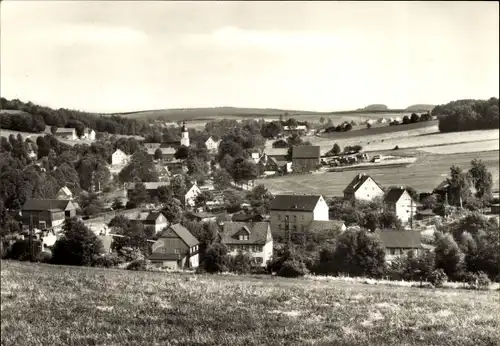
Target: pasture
x=424, y=175
x=51, y=305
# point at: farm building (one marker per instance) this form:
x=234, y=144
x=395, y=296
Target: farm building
x=66, y=133
x=305, y=158
x=278, y=153
x=46, y=213
x=64, y=193
x=399, y=242
x=153, y=220
x=399, y=201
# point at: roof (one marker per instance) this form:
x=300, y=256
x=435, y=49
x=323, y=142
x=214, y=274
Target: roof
x=65, y=130
x=443, y=186
x=257, y=232
x=153, y=216
x=141, y=216
x=203, y=215
x=295, y=202
x=149, y=185
x=394, y=194
x=306, y=152
x=322, y=226
x=184, y=234
x=164, y=151
x=401, y=239
x=357, y=182
x=65, y=190
x=241, y=217
x=46, y=204
x=276, y=151
x=118, y=151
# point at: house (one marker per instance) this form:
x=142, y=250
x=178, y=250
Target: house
x=151, y=187
x=362, y=188
x=268, y=165
x=254, y=238
x=191, y=194
x=66, y=133
x=119, y=158
x=46, y=213
x=279, y=154
x=88, y=134
x=443, y=190
x=399, y=242
x=166, y=153
x=305, y=158
x=64, y=193
x=319, y=226
x=176, y=248
x=153, y=220
x=243, y=217
x=399, y=201
x=298, y=128
x=296, y=212
x=212, y=145
x=255, y=155
x=201, y=217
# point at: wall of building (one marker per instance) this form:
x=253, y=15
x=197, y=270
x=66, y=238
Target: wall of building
x=368, y=191
x=300, y=219
x=194, y=261
x=304, y=165
x=264, y=253
x=321, y=211
x=404, y=209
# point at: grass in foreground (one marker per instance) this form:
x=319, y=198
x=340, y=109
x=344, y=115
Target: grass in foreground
x=51, y=305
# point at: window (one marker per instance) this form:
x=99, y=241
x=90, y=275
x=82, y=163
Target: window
x=42, y=224
x=243, y=237
x=294, y=228
x=393, y=251
x=259, y=260
x=278, y=217
x=295, y=218
x=177, y=251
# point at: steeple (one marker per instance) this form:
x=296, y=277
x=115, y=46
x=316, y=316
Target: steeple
x=184, y=135
x=184, y=128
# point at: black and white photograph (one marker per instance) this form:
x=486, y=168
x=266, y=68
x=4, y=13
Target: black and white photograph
x=249, y=173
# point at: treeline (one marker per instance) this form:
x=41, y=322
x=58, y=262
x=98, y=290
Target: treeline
x=467, y=115
x=34, y=118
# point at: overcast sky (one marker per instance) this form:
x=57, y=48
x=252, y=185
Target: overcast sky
x=325, y=56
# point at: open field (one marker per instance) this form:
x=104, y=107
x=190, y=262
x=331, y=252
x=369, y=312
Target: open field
x=470, y=147
x=424, y=175
x=50, y=305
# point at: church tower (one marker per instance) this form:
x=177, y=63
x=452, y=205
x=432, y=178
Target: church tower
x=184, y=135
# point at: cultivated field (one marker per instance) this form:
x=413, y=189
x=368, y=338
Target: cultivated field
x=424, y=175
x=49, y=305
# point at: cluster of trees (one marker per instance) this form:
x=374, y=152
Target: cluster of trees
x=412, y=119
x=466, y=115
x=41, y=116
x=344, y=127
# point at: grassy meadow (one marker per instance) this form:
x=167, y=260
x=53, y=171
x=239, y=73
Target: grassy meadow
x=424, y=175
x=52, y=305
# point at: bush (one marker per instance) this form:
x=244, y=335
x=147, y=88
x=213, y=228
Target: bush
x=107, y=261
x=20, y=250
x=138, y=265
x=44, y=257
x=242, y=263
x=293, y=268
x=437, y=277
x=216, y=258
x=478, y=281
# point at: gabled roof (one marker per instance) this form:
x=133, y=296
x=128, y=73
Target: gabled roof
x=241, y=217
x=322, y=226
x=394, y=194
x=306, y=152
x=401, y=239
x=295, y=202
x=46, y=204
x=276, y=151
x=258, y=232
x=66, y=191
x=141, y=216
x=118, y=151
x=153, y=216
x=183, y=233
x=65, y=130
x=357, y=182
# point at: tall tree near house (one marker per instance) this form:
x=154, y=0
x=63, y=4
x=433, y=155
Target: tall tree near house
x=158, y=155
x=202, y=199
x=178, y=187
x=481, y=178
x=459, y=186
x=243, y=170
x=164, y=194
x=140, y=168
x=138, y=195
x=336, y=149
x=448, y=255
x=260, y=199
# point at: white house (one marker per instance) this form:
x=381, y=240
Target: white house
x=119, y=158
x=296, y=212
x=254, y=238
x=399, y=201
x=362, y=188
x=297, y=128
x=191, y=194
x=211, y=144
x=88, y=134
x=66, y=133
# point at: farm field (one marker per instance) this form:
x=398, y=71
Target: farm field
x=51, y=305
x=423, y=175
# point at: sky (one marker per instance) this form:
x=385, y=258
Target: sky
x=321, y=56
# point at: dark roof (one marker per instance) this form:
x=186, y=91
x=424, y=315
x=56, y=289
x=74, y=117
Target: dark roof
x=242, y=217
x=306, y=152
x=443, y=186
x=153, y=216
x=295, y=202
x=257, y=232
x=357, y=182
x=322, y=226
x=202, y=215
x=401, y=239
x=160, y=256
x=184, y=234
x=46, y=204
x=394, y=194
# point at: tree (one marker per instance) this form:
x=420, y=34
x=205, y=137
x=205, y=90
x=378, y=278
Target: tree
x=117, y=204
x=178, y=187
x=322, y=120
x=448, y=255
x=222, y=179
x=260, y=199
x=232, y=201
x=164, y=194
x=481, y=178
x=90, y=203
x=158, y=155
x=271, y=129
x=53, y=129
x=202, y=199
x=197, y=168
x=173, y=210
x=242, y=263
x=371, y=221
x=459, y=186
x=230, y=148
x=389, y=219
x=134, y=236
x=77, y=246
x=243, y=170
x=429, y=202
x=336, y=149
x=414, y=118
x=138, y=195
x=359, y=253
x=294, y=140
x=406, y=119
x=182, y=153
x=140, y=169
x=216, y=258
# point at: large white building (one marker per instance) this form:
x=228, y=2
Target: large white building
x=362, y=188
x=119, y=158
x=399, y=201
x=254, y=238
x=211, y=144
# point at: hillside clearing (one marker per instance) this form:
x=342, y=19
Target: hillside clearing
x=424, y=175
x=50, y=305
